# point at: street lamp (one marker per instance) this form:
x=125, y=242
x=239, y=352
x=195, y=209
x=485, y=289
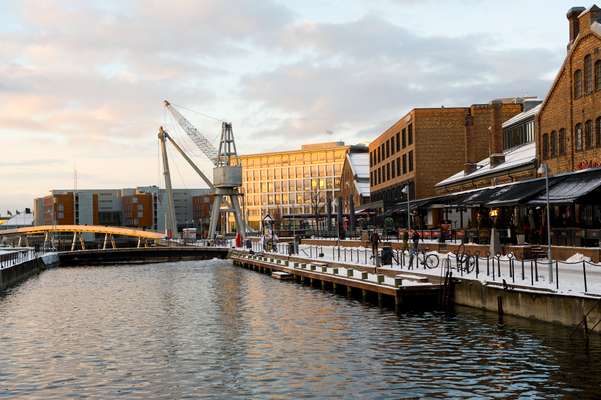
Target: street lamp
x=544, y=169
x=406, y=191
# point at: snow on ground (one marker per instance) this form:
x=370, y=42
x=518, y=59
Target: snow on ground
x=569, y=276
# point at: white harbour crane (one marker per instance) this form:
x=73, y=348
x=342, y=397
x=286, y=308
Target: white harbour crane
x=227, y=177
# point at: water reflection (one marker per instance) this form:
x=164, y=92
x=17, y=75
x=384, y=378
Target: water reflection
x=207, y=329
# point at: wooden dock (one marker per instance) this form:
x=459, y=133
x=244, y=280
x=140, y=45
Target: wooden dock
x=404, y=291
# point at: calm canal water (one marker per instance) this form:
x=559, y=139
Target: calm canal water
x=207, y=329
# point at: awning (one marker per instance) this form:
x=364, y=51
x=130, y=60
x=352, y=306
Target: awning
x=571, y=188
x=369, y=207
x=517, y=193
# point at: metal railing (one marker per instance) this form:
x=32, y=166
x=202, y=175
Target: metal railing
x=14, y=257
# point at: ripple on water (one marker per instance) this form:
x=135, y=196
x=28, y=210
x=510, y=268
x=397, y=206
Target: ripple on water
x=207, y=329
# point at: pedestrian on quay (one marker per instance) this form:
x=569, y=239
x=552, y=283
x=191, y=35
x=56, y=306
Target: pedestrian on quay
x=414, y=247
x=375, y=241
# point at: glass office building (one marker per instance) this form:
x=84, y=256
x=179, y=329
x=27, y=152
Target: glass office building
x=292, y=184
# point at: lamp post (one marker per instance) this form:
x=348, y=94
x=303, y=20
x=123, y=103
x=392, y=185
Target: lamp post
x=406, y=191
x=544, y=169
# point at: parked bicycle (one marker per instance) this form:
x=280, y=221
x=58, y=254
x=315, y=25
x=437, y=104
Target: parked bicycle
x=428, y=261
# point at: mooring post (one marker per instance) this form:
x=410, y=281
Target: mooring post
x=106, y=237
x=397, y=301
x=380, y=300
x=500, y=308
x=363, y=294
x=349, y=291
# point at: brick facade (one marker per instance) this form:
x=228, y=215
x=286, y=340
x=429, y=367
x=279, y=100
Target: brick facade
x=569, y=124
x=443, y=141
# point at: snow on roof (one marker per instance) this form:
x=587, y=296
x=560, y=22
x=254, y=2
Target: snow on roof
x=363, y=188
x=19, y=220
x=515, y=157
x=359, y=163
x=596, y=27
x=522, y=116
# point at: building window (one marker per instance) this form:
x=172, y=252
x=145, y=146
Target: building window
x=598, y=132
x=588, y=74
x=588, y=134
x=392, y=146
x=577, y=84
x=578, y=137
x=371, y=159
x=598, y=75
x=393, y=162
x=404, y=138
x=387, y=148
x=388, y=171
x=379, y=155
x=398, y=141
x=562, y=142
x=553, y=144
x=410, y=160
x=410, y=134
x=398, y=166
x=404, y=164
x=545, y=146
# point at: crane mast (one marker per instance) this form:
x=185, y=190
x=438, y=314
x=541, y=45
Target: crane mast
x=227, y=178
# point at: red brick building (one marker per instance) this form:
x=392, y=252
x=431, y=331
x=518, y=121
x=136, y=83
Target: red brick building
x=429, y=144
x=569, y=123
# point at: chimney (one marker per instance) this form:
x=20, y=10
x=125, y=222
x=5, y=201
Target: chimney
x=470, y=151
x=496, y=128
x=496, y=134
x=572, y=15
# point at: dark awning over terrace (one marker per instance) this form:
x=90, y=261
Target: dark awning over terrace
x=569, y=189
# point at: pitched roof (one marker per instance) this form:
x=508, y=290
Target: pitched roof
x=514, y=158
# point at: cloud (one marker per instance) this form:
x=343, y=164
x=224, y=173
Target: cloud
x=360, y=73
x=83, y=82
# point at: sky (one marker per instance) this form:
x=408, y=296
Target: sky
x=82, y=83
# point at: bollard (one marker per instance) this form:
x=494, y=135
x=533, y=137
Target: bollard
x=531, y=274
x=536, y=270
x=584, y=275
x=556, y=274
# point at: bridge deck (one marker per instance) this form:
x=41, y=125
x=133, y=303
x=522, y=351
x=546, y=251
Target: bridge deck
x=111, y=230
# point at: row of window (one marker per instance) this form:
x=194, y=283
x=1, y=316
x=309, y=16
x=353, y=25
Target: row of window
x=295, y=199
x=292, y=185
x=393, y=169
x=252, y=174
x=518, y=135
x=585, y=137
x=293, y=158
x=391, y=146
x=585, y=80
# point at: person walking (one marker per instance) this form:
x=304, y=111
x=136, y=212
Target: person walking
x=414, y=247
x=375, y=241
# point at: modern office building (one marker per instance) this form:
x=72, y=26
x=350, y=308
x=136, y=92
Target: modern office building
x=295, y=183
x=142, y=207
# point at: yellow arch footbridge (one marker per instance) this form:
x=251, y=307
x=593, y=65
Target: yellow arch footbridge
x=77, y=230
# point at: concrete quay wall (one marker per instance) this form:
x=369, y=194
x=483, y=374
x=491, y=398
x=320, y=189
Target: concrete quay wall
x=539, y=305
x=12, y=275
